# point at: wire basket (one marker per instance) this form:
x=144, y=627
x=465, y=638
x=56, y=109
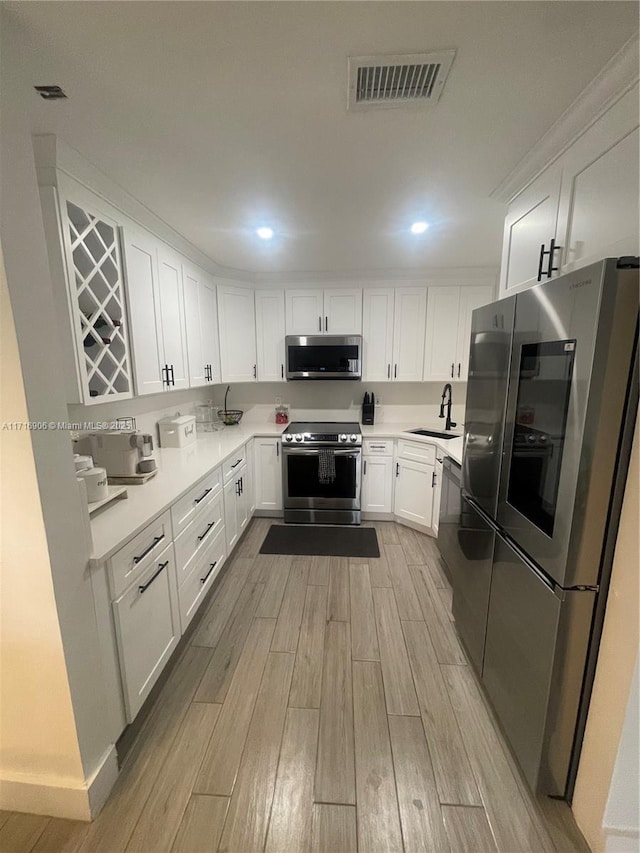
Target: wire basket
x=229, y=417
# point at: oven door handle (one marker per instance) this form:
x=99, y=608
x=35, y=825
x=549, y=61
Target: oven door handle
x=299, y=452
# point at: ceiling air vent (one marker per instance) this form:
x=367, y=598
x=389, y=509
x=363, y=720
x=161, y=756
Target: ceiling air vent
x=398, y=81
x=50, y=93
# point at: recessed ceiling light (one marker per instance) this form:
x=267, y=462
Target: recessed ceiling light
x=265, y=233
x=419, y=227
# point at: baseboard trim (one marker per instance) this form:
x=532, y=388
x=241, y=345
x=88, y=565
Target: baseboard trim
x=57, y=799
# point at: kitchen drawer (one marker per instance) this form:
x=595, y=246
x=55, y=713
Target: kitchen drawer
x=382, y=447
x=197, y=536
x=186, y=507
x=205, y=568
x=147, y=621
x=234, y=463
x=130, y=561
x=415, y=451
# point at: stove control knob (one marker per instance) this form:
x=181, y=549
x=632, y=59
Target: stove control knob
x=354, y=438
x=299, y=436
x=288, y=438
x=531, y=438
x=342, y=438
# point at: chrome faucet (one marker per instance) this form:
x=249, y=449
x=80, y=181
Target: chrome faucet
x=449, y=422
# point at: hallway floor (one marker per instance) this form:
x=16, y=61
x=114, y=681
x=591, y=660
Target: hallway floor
x=320, y=704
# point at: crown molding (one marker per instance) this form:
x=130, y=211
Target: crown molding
x=617, y=77
x=459, y=275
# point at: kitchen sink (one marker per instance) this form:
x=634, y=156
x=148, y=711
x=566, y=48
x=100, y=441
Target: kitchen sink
x=433, y=433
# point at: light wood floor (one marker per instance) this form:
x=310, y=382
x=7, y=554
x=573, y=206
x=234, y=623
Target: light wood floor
x=322, y=704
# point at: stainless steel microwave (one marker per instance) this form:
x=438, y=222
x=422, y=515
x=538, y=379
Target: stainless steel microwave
x=324, y=356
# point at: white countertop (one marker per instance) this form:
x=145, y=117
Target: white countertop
x=180, y=468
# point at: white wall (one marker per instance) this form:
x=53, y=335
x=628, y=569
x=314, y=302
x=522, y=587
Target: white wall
x=416, y=403
x=622, y=815
x=38, y=738
x=30, y=293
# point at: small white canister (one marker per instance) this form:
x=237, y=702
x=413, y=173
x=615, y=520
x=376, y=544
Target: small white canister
x=95, y=480
x=82, y=462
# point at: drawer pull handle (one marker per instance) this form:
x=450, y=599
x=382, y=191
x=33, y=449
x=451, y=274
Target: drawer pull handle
x=210, y=526
x=148, y=550
x=202, y=496
x=211, y=568
x=146, y=585
x=235, y=464
x=377, y=446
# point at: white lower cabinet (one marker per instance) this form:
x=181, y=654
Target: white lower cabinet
x=236, y=505
x=414, y=492
x=148, y=629
x=268, y=474
x=205, y=568
x=377, y=484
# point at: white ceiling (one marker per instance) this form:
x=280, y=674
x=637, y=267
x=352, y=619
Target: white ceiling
x=221, y=117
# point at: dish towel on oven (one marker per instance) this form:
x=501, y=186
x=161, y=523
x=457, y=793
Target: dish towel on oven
x=326, y=465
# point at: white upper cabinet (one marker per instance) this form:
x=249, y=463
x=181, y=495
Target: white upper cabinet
x=530, y=223
x=201, y=314
x=270, y=335
x=598, y=210
x=174, y=335
x=441, y=348
x=141, y=259
x=449, y=310
x=343, y=311
x=408, y=334
x=586, y=202
x=324, y=312
x=305, y=312
x=377, y=334
x=237, y=333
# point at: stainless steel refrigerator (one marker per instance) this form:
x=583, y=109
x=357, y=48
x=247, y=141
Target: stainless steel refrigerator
x=551, y=403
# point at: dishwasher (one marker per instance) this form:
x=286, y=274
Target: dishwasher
x=465, y=541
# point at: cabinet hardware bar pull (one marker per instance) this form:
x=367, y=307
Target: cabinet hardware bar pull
x=458, y=370
x=235, y=464
x=241, y=485
x=173, y=381
x=206, y=533
x=238, y=488
x=165, y=375
x=377, y=446
x=326, y=324
x=388, y=371
x=397, y=469
x=433, y=480
x=148, y=550
x=552, y=250
x=146, y=585
x=255, y=374
x=319, y=324
x=452, y=370
x=211, y=568
x=395, y=371
x=364, y=469
x=282, y=371
x=540, y=262
x=202, y=496
x=277, y=449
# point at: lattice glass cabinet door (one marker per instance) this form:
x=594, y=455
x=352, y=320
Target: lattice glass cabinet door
x=97, y=296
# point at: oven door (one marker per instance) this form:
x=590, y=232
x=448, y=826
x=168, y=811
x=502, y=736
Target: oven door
x=303, y=489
